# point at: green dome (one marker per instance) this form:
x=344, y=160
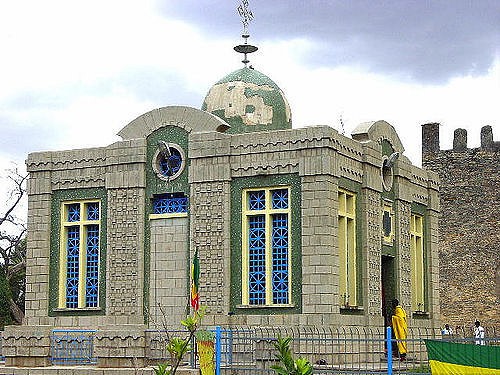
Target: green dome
x=248, y=101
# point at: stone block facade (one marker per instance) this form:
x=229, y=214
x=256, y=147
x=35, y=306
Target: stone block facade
x=144, y=254
x=469, y=243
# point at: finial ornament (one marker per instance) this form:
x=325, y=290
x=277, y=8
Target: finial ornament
x=246, y=16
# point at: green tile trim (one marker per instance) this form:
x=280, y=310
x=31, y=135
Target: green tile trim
x=389, y=250
x=155, y=185
x=249, y=75
x=58, y=197
x=237, y=187
x=420, y=209
x=355, y=187
x=274, y=98
x=387, y=150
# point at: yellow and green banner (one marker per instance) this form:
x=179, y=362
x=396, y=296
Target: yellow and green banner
x=451, y=358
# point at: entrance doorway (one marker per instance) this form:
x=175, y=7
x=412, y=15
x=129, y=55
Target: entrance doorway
x=388, y=280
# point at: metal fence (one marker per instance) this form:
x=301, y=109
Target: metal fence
x=331, y=350
x=72, y=347
x=250, y=350
x=156, y=346
x=342, y=350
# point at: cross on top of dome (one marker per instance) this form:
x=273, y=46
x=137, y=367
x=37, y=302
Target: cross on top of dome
x=246, y=16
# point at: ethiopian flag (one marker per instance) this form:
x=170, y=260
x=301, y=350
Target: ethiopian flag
x=450, y=358
x=195, y=282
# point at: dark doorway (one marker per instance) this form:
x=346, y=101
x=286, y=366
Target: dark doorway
x=388, y=281
x=388, y=287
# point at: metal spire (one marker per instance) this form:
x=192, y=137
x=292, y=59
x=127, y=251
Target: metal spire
x=246, y=16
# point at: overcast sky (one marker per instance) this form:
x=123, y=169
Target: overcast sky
x=73, y=73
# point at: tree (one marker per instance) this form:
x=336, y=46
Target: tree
x=12, y=252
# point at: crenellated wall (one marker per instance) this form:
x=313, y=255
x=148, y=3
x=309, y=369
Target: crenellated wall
x=469, y=245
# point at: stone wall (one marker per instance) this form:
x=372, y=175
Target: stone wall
x=125, y=254
x=168, y=271
x=469, y=245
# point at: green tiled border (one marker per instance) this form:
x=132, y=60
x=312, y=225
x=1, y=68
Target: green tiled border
x=58, y=197
x=274, y=98
x=155, y=185
x=355, y=187
x=237, y=187
x=420, y=209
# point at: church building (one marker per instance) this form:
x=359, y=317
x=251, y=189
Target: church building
x=291, y=226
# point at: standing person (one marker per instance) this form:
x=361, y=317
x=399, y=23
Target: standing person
x=447, y=330
x=400, y=328
x=478, y=333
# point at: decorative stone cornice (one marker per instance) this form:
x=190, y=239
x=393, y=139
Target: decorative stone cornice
x=190, y=119
x=258, y=169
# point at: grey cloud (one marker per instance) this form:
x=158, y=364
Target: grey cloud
x=18, y=138
x=157, y=85
x=427, y=41
x=27, y=118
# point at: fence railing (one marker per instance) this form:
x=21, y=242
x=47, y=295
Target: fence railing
x=250, y=350
x=72, y=347
x=343, y=350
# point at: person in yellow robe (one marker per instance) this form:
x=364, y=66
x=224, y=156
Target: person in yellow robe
x=400, y=328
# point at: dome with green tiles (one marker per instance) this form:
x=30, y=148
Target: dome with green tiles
x=249, y=101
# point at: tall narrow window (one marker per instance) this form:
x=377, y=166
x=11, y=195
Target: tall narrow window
x=266, y=247
x=347, y=248
x=79, y=255
x=417, y=262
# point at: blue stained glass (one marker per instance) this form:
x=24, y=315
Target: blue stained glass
x=72, y=268
x=257, y=200
x=92, y=277
x=280, y=199
x=74, y=212
x=170, y=164
x=170, y=203
x=93, y=211
x=257, y=260
x=280, y=258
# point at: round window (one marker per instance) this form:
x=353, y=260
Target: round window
x=386, y=174
x=168, y=161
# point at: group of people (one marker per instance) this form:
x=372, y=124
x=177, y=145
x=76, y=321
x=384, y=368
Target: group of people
x=400, y=329
x=478, y=332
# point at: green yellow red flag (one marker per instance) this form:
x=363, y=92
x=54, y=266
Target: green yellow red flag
x=452, y=358
x=195, y=282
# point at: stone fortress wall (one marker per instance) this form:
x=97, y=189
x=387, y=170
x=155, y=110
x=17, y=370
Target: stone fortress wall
x=469, y=243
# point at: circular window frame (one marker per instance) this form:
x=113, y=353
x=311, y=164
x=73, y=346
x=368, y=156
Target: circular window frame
x=157, y=158
x=386, y=174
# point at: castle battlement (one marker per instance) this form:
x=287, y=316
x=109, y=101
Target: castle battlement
x=469, y=239
x=430, y=139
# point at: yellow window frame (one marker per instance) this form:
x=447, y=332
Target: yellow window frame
x=267, y=212
x=82, y=260
x=417, y=262
x=347, y=248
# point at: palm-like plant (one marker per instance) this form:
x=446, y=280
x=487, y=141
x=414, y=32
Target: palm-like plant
x=178, y=347
x=289, y=365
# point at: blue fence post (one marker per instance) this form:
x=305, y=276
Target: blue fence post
x=218, y=345
x=389, y=350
